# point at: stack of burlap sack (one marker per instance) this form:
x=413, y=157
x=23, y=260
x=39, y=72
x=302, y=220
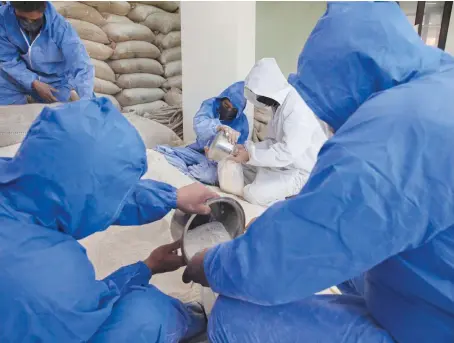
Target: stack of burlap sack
x=135, y=49
x=261, y=119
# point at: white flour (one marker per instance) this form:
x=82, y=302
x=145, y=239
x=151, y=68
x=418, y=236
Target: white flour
x=204, y=236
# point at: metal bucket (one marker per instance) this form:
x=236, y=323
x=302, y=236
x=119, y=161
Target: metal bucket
x=220, y=148
x=225, y=210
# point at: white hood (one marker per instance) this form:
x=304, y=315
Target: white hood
x=266, y=79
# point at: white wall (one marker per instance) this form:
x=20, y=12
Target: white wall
x=450, y=41
x=218, y=49
x=282, y=29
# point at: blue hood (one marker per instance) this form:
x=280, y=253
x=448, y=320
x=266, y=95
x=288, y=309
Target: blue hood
x=75, y=168
x=357, y=50
x=235, y=93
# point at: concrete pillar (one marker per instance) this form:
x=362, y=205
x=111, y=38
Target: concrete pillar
x=218, y=49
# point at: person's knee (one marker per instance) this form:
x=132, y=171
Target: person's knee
x=257, y=195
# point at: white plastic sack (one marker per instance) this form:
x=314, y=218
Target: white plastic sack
x=119, y=32
x=170, y=40
x=231, y=177
x=141, y=109
x=153, y=133
x=114, y=7
x=135, y=96
x=77, y=10
x=89, y=31
x=163, y=22
x=106, y=87
x=135, y=49
x=103, y=71
x=170, y=55
x=174, y=81
x=140, y=12
x=173, y=69
x=169, y=6
x=140, y=80
x=174, y=97
x=97, y=51
x=137, y=65
x=115, y=18
x=111, y=98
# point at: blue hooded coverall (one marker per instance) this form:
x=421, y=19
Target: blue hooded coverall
x=77, y=172
x=379, y=205
x=191, y=160
x=56, y=57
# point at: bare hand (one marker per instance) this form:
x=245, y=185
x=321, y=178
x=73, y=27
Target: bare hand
x=231, y=134
x=195, y=271
x=165, y=259
x=241, y=155
x=193, y=198
x=45, y=91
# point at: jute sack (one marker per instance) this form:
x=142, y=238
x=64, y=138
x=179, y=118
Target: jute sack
x=153, y=133
x=119, y=32
x=115, y=18
x=169, y=6
x=170, y=55
x=139, y=80
x=140, y=12
x=174, y=97
x=174, y=81
x=170, y=40
x=135, y=96
x=77, y=10
x=135, y=49
x=141, y=109
x=173, y=69
x=103, y=71
x=97, y=50
x=89, y=31
x=137, y=65
x=106, y=87
x=114, y=7
x=111, y=98
x=163, y=22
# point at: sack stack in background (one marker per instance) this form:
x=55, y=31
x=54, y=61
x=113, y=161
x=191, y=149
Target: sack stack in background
x=261, y=119
x=136, y=51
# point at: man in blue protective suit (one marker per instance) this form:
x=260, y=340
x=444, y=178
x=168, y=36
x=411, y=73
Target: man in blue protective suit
x=41, y=56
x=378, y=204
x=222, y=113
x=77, y=172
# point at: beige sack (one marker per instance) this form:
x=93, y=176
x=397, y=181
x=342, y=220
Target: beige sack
x=89, y=31
x=174, y=81
x=169, y=6
x=97, y=51
x=231, y=177
x=163, y=22
x=137, y=65
x=106, y=87
x=174, y=97
x=114, y=7
x=135, y=49
x=153, y=133
x=77, y=10
x=135, y=96
x=119, y=32
x=140, y=80
x=170, y=55
x=111, y=98
x=141, y=109
x=140, y=12
x=115, y=18
x=103, y=71
x=172, y=69
x=170, y=40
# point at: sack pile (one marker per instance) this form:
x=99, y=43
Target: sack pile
x=261, y=119
x=135, y=49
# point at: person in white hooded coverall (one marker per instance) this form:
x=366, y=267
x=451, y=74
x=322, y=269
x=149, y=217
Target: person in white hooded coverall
x=279, y=166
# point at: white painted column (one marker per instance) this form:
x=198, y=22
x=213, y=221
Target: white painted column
x=450, y=40
x=218, y=49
